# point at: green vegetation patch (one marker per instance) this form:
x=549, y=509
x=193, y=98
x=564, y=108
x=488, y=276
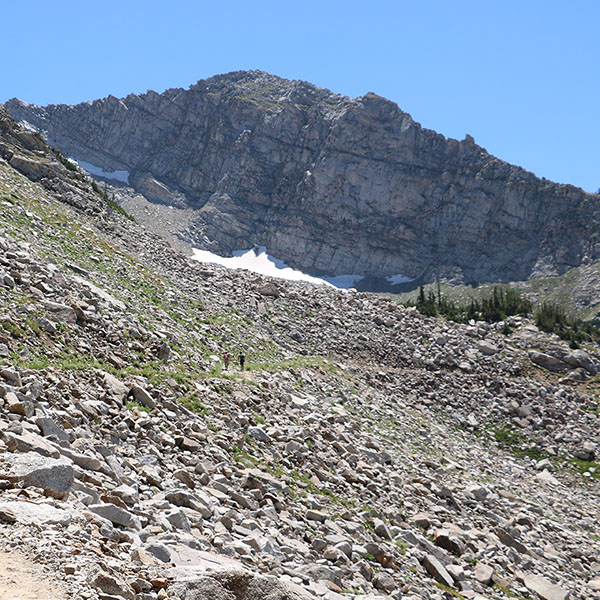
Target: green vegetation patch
x=503, y=302
x=518, y=444
x=194, y=404
x=551, y=318
x=448, y=590
x=132, y=405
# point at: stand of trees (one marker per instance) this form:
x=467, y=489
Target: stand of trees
x=503, y=303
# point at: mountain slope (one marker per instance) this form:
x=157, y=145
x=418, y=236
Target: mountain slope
x=329, y=184
x=366, y=452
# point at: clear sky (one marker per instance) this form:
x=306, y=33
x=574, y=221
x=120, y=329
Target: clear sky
x=522, y=77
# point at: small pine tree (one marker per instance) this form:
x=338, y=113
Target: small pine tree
x=421, y=299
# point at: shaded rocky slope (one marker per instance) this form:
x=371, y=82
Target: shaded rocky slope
x=367, y=452
x=329, y=184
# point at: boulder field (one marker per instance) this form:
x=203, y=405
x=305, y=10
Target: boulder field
x=366, y=451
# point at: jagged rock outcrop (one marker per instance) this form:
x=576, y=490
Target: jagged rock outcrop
x=330, y=184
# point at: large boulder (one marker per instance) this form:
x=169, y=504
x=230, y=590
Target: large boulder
x=579, y=358
x=54, y=476
x=237, y=585
x=35, y=168
x=30, y=513
x=552, y=363
x=544, y=588
x=29, y=442
x=116, y=515
x=60, y=313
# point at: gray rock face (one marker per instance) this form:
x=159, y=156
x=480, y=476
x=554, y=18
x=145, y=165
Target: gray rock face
x=328, y=183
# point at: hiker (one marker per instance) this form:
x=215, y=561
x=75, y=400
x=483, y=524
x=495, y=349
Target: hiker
x=242, y=361
x=226, y=358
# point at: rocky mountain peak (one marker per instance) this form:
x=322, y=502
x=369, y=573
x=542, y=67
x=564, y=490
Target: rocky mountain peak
x=330, y=184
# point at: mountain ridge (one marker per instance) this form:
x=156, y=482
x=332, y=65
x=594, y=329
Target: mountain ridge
x=329, y=184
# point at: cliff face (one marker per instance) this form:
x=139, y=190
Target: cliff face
x=329, y=184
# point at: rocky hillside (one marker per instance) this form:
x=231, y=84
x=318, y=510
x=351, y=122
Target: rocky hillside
x=330, y=184
x=365, y=452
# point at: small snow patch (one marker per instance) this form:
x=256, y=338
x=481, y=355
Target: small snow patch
x=100, y=172
x=343, y=281
x=28, y=126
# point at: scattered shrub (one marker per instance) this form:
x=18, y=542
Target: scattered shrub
x=111, y=201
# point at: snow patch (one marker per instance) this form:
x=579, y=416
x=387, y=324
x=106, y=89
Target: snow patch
x=28, y=126
x=257, y=260
x=100, y=172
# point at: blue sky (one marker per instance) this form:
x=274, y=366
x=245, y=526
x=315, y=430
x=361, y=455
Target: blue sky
x=521, y=77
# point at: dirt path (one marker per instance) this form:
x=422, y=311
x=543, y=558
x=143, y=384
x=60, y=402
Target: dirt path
x=21, y=579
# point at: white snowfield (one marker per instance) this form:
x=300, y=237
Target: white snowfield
x=100, y=172
x=258, y=260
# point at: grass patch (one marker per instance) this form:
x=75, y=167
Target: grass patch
x=448, y=590
x=305, y=482
x=243, y=457
x=133, y=404
x=194, y=404
x=583, y=466
x=518, y=444
x=12, y=328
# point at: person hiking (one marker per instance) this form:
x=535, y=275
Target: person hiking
x=242, y=361
x=226, y=358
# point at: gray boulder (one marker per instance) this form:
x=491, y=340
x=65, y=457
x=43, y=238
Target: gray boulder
x=579, y=358
x=60, y=313
x=30, y=513
x=544, y=588
x=237, y=585
x=116, y=515
x=54, y=476
x=143, y=397
x=549, y=362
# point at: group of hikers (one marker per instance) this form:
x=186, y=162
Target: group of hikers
x=227, y=359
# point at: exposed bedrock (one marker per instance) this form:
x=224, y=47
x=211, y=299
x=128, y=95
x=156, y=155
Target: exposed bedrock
x=329, y=184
